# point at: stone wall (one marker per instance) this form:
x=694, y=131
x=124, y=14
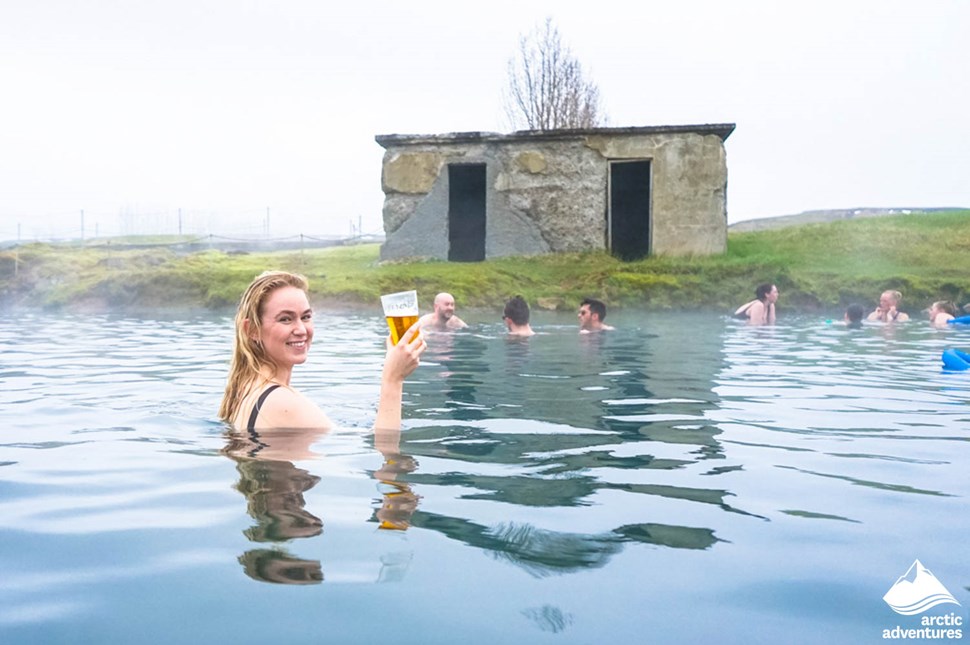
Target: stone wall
x=547, y=191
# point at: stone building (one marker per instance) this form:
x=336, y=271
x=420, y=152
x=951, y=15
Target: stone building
x=635, y=191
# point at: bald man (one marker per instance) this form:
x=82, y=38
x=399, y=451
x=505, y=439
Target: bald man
x=443, y=318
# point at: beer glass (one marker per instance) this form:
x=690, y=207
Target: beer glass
x=401, y=311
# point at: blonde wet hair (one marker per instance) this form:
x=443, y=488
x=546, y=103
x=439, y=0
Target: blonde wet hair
x=896, y=296
x=248, y=354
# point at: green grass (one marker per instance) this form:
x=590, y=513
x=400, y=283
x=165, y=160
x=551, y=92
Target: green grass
x=817, y=267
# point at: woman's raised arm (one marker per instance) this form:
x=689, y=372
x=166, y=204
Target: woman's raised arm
x=399, y=362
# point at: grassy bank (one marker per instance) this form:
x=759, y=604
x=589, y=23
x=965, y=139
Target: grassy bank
x=817, y=267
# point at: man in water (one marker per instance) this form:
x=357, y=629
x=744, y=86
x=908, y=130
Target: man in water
x=443, y=318
x=591, y=315
x=854, y=315
x=516, y=317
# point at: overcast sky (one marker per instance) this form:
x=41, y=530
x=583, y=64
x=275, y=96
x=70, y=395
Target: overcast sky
x=235, y=110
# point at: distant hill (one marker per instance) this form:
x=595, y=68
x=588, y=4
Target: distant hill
x=823, y=216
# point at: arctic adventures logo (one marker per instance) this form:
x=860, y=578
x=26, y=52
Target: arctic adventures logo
x=916, y=592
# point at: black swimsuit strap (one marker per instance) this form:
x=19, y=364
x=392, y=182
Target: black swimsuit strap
x=251, y=426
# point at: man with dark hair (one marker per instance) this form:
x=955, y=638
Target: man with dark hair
x=516, y=317
x=591, y=315
x=854, y=314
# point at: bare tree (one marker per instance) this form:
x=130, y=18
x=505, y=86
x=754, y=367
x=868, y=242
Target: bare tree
x=546, y=88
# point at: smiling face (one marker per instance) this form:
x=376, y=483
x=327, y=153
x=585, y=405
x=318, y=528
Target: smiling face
x=444, y=306
x=287, y=326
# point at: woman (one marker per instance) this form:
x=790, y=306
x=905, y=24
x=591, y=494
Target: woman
x=888, y=311
x=942, y=311
x=761, y=310
x=274, y=331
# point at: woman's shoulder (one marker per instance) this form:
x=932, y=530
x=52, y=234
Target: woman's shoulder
x=742, y=311
x=287, y=407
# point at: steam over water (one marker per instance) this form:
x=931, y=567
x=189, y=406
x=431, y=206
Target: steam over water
x=682, y=479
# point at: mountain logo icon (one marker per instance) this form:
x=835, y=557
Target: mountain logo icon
x=916, y=591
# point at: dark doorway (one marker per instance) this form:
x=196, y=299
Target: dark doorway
x=628, y=216
x=466, y=212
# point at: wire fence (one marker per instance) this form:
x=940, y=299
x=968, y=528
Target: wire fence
x=242, y=226
x=11, y=261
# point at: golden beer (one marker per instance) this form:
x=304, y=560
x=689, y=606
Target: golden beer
x=400, y=311
x=400, y=324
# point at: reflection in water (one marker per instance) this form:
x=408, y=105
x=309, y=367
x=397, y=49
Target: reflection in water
x=542, y=552
x=562, y=420
x=274, y=495
x=274, y=491
x=677, y=537
x=463, y=371
x=399, y=501
x=398, y=505
x=549, y=618
x=274, y=498
x=276, y=565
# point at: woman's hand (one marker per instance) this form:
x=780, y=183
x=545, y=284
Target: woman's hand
x=402, y=359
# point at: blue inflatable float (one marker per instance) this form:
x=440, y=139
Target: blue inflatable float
x=962, y=320
x=955, y=360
